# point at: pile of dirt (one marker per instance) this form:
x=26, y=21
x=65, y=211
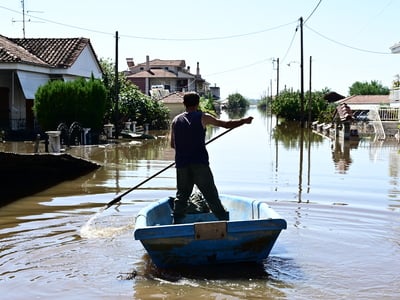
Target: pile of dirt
x=25, y=174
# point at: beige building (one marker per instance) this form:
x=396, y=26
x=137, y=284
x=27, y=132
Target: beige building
x=159, y=77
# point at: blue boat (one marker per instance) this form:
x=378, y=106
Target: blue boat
x=201, y=239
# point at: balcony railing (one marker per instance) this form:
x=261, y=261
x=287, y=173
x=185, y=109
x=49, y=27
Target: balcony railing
x=389, y=114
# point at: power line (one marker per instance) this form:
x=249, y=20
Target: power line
x=209, y=38
x=290, y=45
x=315, y=8
x=157, y=38
x=375, y=16
x=297, y=27
x=344, y=45
x=58, y=23
x=174, y=39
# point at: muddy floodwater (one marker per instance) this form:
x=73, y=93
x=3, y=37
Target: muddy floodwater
x=341, y=201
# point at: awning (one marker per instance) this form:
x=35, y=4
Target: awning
x=30, y=82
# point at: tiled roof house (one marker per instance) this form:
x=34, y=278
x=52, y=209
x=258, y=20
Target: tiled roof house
x=172, y=75
x=26, y=64
x=365, y=102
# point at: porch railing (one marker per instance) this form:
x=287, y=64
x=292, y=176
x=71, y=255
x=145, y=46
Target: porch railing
x=389, y=114
x=374, y=116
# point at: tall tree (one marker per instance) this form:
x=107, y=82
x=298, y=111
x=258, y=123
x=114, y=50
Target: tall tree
x=237, y=101
x=133, y=104
x=287, y=105
x=368, y=88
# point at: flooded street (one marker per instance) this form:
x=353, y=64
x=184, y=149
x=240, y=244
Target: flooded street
x=341, y=203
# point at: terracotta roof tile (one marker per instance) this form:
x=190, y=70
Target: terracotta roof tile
x=366, y=99
x=13, y=53
x=161, y=63
x=157, y=73
x=53, y=52
x=57, y=52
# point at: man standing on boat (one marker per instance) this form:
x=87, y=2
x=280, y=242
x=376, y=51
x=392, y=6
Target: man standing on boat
x=191, y=156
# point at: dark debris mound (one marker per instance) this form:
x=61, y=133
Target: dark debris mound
x=25, y=174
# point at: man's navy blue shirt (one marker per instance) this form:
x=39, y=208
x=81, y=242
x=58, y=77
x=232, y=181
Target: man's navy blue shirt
x=189, y=135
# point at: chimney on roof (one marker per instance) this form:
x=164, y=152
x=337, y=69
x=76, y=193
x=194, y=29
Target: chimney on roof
x=147, y=63
x=129, y=62
x=188, y=69
x=198, y=69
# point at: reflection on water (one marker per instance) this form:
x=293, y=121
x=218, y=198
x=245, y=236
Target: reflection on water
x=239, y=281
x=341, y=154
x=341, y=203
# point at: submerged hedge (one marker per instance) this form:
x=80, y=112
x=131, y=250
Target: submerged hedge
x=66, y=102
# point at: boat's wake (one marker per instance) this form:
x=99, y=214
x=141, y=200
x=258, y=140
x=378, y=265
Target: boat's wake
x=99, y=226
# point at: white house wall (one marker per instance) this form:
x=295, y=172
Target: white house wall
x=23, y=80
x=84, y=65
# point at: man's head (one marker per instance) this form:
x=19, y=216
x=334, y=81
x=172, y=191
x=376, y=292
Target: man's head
x=191, y=99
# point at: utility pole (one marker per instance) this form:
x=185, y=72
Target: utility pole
x=23, y=19
x=277, y=77
x=301, y=75
x=270, y=84
x=116, y=88
x=310, y=100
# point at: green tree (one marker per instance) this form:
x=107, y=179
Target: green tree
x=80, y=100
x=132, y=104
x=207, y=105
x=288, y=105
x=237, y=101
x=368, y=88
x=264, y=102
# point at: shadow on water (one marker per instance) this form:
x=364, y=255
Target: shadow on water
x=212, y=272
x=267, y=280
x=270, y=269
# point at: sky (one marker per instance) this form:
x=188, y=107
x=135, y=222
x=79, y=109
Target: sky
x=237, y=43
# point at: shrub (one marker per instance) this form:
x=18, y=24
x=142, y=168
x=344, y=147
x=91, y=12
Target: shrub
x=66, y=102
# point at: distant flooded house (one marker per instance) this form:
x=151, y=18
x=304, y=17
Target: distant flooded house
x=379, y=113
x=26, y=64
x=365, y=102
x=174, y=101
x=343, y=120
x=159, y=77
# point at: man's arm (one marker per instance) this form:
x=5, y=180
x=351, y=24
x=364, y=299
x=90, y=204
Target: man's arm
x=208, y=119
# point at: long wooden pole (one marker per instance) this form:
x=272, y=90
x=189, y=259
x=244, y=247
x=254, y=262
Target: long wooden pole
x=119, y=197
